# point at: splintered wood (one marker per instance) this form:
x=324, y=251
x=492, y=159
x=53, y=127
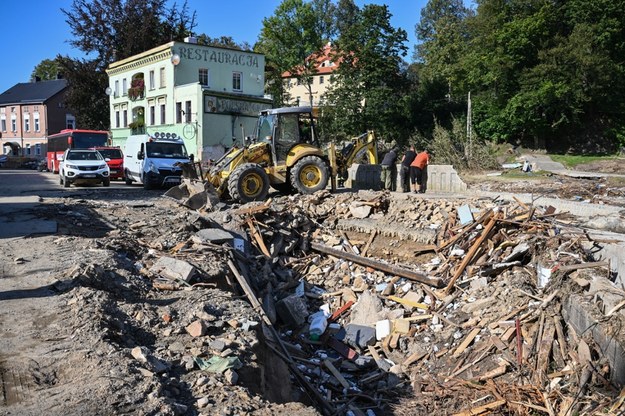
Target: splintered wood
x=477, y=330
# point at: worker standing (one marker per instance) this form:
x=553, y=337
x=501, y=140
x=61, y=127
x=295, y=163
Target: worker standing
x=389, y=170
x=419, y=172
x=404, y=172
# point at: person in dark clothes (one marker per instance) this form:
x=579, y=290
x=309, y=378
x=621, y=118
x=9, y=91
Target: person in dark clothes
x=404, y=172
x=419, y=172
x=389, y=170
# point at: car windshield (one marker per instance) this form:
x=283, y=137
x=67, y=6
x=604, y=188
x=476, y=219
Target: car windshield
x=111, y=153
x=84, y=156
x=166, y=150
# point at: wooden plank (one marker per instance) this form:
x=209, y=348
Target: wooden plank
x=467, y=341
x=336, y=373
x=364, y=250
x=257, y=237
x=496, y=372
x=544, y=351
x=408, y=302
x=413, y=358
x=482, y=409
x=469, y=256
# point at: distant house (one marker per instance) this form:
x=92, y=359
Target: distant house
x=29, y=113
x=321, y=81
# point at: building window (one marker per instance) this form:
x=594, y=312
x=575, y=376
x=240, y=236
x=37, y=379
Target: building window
x=70, y=122
x=152, y=80
x=3, y=124
x=321, y=79
x=28, y=149
x=299, y=81
x=162, y=77
x=37, y=126
x=125, y=117
x=203, y=77
x=178, y=112
x=117, y=118
x=236, y=81
x=37, y=149
x=26, y=123
x=152, y=114
x=124, y=87
x=116, y=89
x=13, y=125
x=162, y=113
x=187, y=111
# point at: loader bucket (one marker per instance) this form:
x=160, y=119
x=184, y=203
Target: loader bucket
x=194, y=194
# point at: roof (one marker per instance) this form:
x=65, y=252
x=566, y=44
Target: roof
x=32, y=92
x=323, y=63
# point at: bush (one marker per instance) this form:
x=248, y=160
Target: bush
x=454, y=147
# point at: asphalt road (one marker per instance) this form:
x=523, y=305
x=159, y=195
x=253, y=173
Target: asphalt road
x=21, y=190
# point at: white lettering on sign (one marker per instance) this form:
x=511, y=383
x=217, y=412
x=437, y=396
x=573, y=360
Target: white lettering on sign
x=222, y=57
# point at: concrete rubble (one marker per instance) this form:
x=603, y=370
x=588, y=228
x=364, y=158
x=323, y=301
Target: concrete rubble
x=429, y=306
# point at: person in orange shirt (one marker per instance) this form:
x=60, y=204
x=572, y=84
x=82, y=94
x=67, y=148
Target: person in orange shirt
x=419, y=172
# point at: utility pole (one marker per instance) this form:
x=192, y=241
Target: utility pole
x=469, y=126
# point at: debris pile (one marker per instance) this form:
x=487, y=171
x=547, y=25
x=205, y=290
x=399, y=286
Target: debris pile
x=476, y=328
x=368, y=303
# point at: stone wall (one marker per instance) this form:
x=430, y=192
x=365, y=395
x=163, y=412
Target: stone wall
x=441, y=178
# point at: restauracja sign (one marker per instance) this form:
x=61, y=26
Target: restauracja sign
x=222, y=56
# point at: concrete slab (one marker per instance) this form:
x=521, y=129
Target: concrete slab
x=25, y=228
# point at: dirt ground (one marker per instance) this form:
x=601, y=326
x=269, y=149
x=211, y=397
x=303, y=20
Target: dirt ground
x=85, y=329
x=604, y=190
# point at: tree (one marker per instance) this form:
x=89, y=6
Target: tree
x=46, y=70
x=222, y=42
x=369, y=84
x=110, y=30
x=296, y=31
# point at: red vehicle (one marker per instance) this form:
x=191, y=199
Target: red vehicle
x=115, y=159
x=72, y=139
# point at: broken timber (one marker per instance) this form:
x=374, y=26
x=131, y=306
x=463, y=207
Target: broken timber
x=388, y=268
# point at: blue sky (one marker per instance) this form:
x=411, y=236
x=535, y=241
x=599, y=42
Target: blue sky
x=36, y=30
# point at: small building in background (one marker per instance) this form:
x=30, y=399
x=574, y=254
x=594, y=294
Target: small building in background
x=29, y=113
x=208, y=96
x=299, y=92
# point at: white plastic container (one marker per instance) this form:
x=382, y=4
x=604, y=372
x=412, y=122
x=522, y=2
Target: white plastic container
x=318, y=325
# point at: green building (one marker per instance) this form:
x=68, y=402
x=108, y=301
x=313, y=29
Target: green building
x=209, y=96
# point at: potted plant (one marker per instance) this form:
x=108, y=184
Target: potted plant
x=136, y=90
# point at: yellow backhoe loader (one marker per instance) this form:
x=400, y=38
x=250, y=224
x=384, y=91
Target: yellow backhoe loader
x=284, y=153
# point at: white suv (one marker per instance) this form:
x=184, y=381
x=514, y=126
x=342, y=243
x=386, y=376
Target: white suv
x=83, y=165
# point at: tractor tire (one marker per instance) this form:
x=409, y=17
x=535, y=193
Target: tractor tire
x=249, y=182
x=310, y=174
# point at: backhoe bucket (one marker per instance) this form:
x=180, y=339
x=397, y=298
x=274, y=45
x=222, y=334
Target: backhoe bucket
x=194, y=194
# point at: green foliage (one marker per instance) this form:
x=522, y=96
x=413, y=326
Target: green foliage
x=368, y=90
x=46, y=70
x=296, y=30
x=571, y=161
x=223, y=42
x=453, y=146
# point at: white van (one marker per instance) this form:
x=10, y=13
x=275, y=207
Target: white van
x=152, y=160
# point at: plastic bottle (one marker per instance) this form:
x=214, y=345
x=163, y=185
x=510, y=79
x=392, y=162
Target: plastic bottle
x=318, y=325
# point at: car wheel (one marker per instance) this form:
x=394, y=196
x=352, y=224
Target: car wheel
x=106, y=182
x=66, y=182
x=147, y=185
x=60, y=179
x=127, y=179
